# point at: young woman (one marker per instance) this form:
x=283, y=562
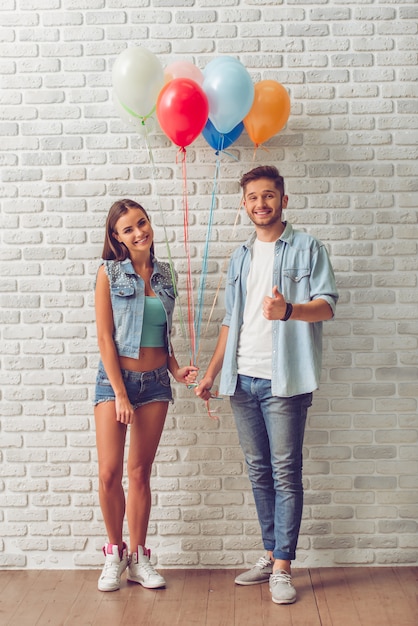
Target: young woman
x=134, y=300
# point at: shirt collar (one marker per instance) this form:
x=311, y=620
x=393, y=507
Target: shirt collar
x=286, y=236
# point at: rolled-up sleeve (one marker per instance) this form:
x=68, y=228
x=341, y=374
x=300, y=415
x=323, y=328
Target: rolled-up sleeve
x=322, y=279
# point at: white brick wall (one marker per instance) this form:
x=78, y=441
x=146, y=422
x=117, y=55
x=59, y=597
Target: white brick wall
x=349, y=155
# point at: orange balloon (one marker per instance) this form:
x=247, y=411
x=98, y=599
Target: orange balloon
x=269, y=112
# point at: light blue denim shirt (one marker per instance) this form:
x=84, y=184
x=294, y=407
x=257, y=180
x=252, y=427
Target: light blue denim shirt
x=127, y=293
x=302, y=272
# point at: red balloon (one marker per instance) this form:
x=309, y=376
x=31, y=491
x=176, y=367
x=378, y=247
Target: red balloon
x=182, y=110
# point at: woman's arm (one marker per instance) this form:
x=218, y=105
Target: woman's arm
x=185, y=375
x=107, y=347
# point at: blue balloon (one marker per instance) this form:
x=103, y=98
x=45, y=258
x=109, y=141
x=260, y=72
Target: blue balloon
x=218, y=61
x=219, y=141
x=230, y=92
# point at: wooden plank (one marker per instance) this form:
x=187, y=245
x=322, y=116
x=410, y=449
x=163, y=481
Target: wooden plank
x=341, y=609
x=14, y=585
x=408, y=579
x=112, y=605
x=221, y=599
x=318, y=588
x=305, y=611
x=35, y=599
x=60, y=601
x=248, y=603
x=194, y=600
x=394, y=597
x=157, y=607
x=365, y=596
x=86, y=603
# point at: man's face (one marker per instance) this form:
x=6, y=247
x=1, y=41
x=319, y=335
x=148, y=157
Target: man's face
x=264, y=202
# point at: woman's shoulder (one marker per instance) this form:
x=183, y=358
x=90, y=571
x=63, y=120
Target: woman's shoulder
x=117, y=270
x=165, y=270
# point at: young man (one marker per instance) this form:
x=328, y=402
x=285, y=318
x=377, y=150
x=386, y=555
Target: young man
x=280, y=288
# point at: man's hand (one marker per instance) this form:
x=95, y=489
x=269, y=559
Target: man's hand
x=274, y=308
x=202, y=390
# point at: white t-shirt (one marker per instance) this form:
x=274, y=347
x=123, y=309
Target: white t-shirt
x=255, y=341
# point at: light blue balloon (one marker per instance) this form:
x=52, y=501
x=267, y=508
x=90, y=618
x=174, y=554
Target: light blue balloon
x=230, y=92
x=218, y=61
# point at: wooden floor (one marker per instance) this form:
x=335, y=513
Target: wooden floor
x=361, y=596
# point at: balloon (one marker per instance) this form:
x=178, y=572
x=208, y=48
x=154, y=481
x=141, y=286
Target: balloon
x=182, y=110
x=230, y=93
x=142, y=125
x=138, y=77
x=269, y=113
x=183, y=69
x=219, y=141
x=219, y=61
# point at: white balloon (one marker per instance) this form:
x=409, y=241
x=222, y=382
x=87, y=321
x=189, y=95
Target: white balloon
x=138, y=78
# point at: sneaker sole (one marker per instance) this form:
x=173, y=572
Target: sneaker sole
x=255, y=582
x=284, y=601
x=108, y=588
x=146, y=585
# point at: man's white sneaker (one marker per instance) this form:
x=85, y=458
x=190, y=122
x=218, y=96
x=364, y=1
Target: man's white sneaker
x=141, y=571
x=114, y=567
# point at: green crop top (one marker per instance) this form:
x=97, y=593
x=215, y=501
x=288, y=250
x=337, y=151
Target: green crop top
x=154, y=324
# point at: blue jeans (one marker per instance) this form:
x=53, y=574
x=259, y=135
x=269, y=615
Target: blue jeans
x=270, y=431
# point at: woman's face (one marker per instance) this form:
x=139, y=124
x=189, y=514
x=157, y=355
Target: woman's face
x=135, y=231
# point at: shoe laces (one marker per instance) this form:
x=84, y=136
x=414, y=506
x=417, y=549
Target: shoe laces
x=147, y=567
x=262, y=562
x=281, y=577
x=110, y=568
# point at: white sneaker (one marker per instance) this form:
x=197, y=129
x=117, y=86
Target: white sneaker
x=141, y=571
x=113, y=568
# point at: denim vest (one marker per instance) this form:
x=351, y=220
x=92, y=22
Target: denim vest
x=127, y=293
x=302, y=272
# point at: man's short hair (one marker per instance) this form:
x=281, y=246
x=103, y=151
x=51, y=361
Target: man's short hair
x=263, y=171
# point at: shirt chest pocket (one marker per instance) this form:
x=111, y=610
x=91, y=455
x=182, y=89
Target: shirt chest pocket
x=295, y=287
x=121, y=296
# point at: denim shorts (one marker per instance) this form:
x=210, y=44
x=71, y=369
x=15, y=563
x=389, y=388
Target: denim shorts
x=142, y=387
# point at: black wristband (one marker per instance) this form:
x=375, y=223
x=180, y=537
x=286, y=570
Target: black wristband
x=288, y=313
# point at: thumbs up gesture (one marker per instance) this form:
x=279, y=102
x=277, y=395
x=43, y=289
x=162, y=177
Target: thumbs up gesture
x=274, y=308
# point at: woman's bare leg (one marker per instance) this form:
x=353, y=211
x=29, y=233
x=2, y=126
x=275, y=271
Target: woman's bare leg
x=145, y=434
x=110, y=441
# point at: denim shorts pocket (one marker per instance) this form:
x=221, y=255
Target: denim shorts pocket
x=101, y=378
x=164, y=379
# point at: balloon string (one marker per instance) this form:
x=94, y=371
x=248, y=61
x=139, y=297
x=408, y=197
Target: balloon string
x=189, y=280
x=170, y=260
x=140, y=117
x=229, y=154
x=257, y=146
x=224, y=265
x=204, y=271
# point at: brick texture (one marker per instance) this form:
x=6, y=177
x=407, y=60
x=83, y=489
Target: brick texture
x=349, y=156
